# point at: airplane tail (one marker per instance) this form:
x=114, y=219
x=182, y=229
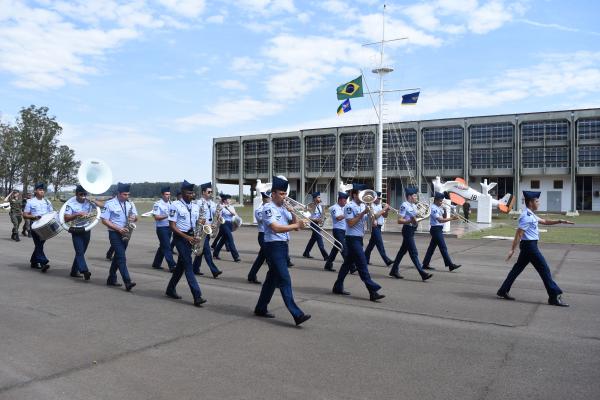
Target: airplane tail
x=506, y=203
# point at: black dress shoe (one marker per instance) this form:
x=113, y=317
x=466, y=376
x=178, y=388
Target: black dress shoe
x=12, y=236
x=159, y=268
x=291, y=264
x=504, y=295
x=389, y=262
x=396, y=275
x=87, y=275
x=454, y=266
x=264, y=314
x=216, y=257
x=254, y=281
x=237, y=260
x=129, y=286
x=216, y=274
x=35, y=266
x=374, y=296
x=307, y=255
x=342, y=292
x=428, y=267
x=109, y=258
x=172, y=294
x=76, y=275
x=197, y=273
x=330, y=269
x=426, y=276
x=17, y=239
x=171, y=270
x=45, y=267
x=557, y=301
x=116, y=284
x=198, y=301
x=301, y=319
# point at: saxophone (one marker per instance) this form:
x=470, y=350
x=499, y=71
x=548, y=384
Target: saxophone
x=200, y=233
x=217, y=221
x=129, y=225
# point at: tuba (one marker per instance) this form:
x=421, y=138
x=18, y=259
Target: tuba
x=96, y=177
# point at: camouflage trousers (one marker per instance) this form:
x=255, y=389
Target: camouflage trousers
x=16, y=220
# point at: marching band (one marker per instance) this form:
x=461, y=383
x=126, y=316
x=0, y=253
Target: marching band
x=189, y=225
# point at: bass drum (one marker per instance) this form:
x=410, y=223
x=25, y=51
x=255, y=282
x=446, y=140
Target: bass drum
x=236, y=221
x=48, y=226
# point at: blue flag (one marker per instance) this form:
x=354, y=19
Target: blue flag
x=410, y=99
x=344, y=107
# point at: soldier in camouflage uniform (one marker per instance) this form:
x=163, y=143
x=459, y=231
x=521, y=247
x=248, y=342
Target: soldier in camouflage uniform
x=26, y=223
x=15, y=213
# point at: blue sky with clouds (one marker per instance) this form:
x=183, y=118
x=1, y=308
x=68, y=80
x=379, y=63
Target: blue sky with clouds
x=146, y=84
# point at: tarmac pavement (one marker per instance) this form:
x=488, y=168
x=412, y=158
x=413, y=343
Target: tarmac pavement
x=447, y=338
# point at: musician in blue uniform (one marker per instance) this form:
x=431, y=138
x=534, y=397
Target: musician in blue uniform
x=183, y=215
x=34, y=209
x=356, y=216
x=261, y=257
x=436, y=223
x=207, y=216
x=527, y=237
x=339, y=229
x=408, y=218
x=278, y=221
x=316, y=219
x=117, y=213
x=160, y=212
x=227, y=213
x=380, y=212
x=79, y=207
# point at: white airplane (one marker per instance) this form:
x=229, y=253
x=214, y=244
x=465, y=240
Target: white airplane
x=460, y=191
x=5, y=205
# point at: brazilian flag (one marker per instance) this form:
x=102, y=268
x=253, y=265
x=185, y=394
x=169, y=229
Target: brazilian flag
x=351, y=89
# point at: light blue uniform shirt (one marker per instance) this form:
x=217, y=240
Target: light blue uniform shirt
x=207, y=210
x=161, y=208
x=318, y=211
x=117, y=212
x=258, y=214
x=279, y=215
x=351, y=211
x=335, y=212
x=38, y=207
x=528, y=222
x=408, y=210
x=436, y=212
x=185, y=215
x=226, y=214
x=377, y=208
x=73, y=207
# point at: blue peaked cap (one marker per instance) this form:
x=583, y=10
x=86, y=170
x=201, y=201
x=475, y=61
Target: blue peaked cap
x=410, y=191
x=123, y=187
x=531, y=195
x=279, y=184
x=187, y=186
x=342, y=195
x=438, y=196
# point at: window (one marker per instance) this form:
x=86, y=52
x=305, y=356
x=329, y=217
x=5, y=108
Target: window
x=557, y=157
x=492, y=133
x=358, y=141
x=320, y=144
x=533, y=157
x=588, y=156
x=502, y=158
x=398, y=140
x=538, y=131
x=357, y=162
x=535, y=184
x=282, y=146
x=320, y=163
x=588, y=129
x=443, y=136
x=558, y=184
x=480, y=158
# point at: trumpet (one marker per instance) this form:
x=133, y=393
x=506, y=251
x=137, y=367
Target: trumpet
x=301, y=212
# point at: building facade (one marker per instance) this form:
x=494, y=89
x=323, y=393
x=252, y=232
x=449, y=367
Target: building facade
x=557, y=153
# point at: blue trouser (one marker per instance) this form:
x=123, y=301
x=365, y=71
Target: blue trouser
x=355, y=256
x=315, y=238
x=227, y=229
x=376, y=240
x=408, y=245
x=184, y=264
x=260, y=258
x=80, y=243
x=531, y=254
x=339, y=235
x=206, y=254
x=164, y=248
x=38, y=255
x=110, y=252
x=437, y=240
x=217, y=238
x=278, y=276
x=119, y=260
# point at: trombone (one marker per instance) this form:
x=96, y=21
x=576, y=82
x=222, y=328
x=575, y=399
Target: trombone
x=301, y=212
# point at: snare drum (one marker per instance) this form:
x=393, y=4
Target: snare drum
x=47, y=227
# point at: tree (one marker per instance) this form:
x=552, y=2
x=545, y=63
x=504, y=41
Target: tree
x=38, y=133
x=10, y=162
x=65, y=168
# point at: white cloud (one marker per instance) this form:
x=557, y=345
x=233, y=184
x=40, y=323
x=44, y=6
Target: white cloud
x=557, y=27
x=201, y=70
x=246, y=65
x=215, y=19
x=232, y=84
x=267, y=7
x=48, y=48
x=229, y=113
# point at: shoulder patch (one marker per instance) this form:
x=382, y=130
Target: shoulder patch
x=172, y=212
x=268, y=213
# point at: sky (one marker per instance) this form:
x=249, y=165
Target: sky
x=145, y=85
